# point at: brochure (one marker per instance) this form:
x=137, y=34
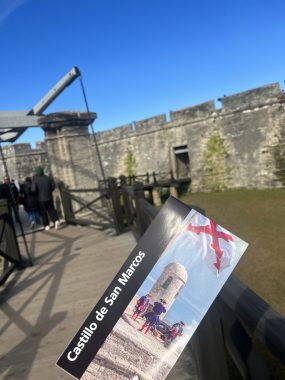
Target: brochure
x=154, y=304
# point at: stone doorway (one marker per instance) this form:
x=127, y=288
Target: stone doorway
x=182, y=161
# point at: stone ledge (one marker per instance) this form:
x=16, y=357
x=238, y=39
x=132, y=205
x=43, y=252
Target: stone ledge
x=66, y=119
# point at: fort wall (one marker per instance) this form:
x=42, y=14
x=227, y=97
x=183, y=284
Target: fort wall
x=21, y=159
x=239, y=145
x=69, y=148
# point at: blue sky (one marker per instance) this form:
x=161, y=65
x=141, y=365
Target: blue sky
x=138, y=58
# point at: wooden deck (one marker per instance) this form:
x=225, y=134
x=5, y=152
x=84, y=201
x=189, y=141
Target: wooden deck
x=43, y=306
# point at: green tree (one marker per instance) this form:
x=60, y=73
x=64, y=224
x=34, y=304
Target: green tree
x=215, y=168
x=130, y=164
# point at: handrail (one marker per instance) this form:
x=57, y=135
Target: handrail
x=10, y=252
x=264, y=322
x=74, y=205
x=235, y=303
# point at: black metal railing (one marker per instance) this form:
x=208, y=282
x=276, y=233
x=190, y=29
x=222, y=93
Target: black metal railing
x=235, y=319
x=10, y=257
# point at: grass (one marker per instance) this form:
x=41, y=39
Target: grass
x=258, y=217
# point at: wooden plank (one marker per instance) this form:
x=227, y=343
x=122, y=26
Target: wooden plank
x=128, y=206
x=118, y=213
x=129, y=190
x=98, y=213
x=140, y=222
x=46, y=304
x=66, y=202
x=89, y=204
x=92, y=190
x=89, y=222
x=147, y=209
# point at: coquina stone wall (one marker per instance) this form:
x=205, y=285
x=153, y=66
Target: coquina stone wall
x=21, y=160
x=239, y=145
x=69, y=148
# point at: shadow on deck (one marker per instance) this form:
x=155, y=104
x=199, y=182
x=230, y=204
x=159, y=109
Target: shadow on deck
x=43, y=306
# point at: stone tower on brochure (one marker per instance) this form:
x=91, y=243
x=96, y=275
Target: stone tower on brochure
x=169, y=284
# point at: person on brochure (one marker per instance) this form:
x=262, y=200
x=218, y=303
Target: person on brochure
x=141, y=306
x=173, y=332
x=152, y=317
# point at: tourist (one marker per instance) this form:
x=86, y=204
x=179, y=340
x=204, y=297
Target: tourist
x=9, y=191
x=30, y=202
x=174, y=331
x=152, y=317
x=16, y=183
x=141, y=306
x=44, y=186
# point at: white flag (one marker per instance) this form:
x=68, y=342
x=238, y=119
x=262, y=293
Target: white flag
x=214, y=243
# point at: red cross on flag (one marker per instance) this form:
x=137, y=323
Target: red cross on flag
x=216, y=244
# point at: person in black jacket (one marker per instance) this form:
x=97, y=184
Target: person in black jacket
x=44, y=186
x=30, y=201
x=9, y=191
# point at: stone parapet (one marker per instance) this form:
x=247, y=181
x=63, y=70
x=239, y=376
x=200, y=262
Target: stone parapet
x=115, y=133
x=66, y=119
x=152, y=123
x=199, y=111
x=21, y=160
x=252, y=98
x=69, y=148
x=240, y=145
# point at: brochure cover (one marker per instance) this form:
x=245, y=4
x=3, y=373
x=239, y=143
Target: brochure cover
x=151, y=309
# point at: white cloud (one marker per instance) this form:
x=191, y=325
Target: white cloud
x=7, y=7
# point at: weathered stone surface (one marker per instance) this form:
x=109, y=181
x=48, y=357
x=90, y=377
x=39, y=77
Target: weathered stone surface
x=128, y=352
x=251, y=98
x=69, y=148
x=196, y=112
x=21, y=159
x=169, y=284
x=241, y=145
x=66, y=119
